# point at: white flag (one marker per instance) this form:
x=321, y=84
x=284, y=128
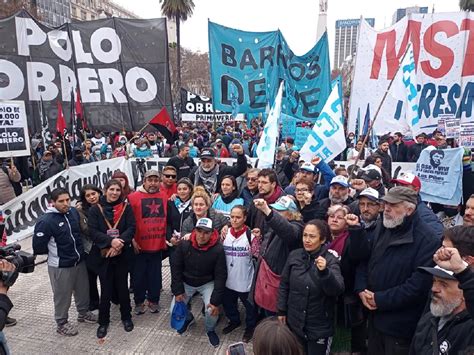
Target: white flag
x=327, y=139
x=405, y=89
x=268, y=140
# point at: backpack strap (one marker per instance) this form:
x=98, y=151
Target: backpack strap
x=249, y=235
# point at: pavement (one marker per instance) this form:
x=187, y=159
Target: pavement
x=35, y=331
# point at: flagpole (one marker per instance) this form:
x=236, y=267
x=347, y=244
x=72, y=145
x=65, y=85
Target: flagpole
x=364, y=142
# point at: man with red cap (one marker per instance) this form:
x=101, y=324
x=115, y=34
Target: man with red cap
x=424, y=212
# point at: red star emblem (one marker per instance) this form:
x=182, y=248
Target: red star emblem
x=154, y=207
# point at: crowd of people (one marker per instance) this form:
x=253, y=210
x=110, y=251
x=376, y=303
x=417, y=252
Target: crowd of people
x=310, y=249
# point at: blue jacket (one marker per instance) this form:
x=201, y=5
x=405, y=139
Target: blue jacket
x=392, y=274
x=59, y=235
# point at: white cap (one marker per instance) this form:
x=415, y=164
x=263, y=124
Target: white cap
x=340, y=180
x=370, y=193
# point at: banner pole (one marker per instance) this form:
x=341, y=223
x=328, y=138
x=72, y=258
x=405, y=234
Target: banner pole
x=65, y=152
x=364, y=142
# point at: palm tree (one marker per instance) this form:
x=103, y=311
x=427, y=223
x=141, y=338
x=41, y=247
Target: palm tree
x=179, y=10
x=466, y=5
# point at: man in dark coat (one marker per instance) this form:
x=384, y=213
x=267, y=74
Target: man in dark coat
x=448, y=327
x=390, y=285
x=209, y=173
x=384, y=152
x=398, y=148
x=414, y=151
x=338, y=194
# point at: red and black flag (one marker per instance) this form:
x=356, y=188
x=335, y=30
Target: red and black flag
x=163, y=123
x=60, y=123
x=79, y=112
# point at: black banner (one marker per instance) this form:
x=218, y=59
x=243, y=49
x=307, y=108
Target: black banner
x=119, y=65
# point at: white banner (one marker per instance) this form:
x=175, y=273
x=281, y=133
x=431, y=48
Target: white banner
x=443, y=47
x=212, y=117
x=14, y=137
x=22, y=212
x=327, y=139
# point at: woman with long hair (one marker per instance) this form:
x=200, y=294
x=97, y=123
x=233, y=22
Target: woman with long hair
x=228, y=197
x=201, y=205
x=310, y=283
x=90, y=195
x=359, y=151
x=123, y=178
x=112, y=227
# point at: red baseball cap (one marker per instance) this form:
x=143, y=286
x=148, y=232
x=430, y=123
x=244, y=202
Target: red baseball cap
x=408, y=179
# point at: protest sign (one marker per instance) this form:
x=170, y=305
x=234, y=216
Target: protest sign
x=119, y=65
x=440, y=172
x=466, y=135
x=22, y=212
x=199, y=108
x=14, y=137
x=452, y=127
x=247, y=68
x=288, y=126
x=327, y=138
x=444, y=63
x=301, y=136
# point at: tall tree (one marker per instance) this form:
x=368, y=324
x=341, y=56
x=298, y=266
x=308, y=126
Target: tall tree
x=466, y=5
x=178, y=10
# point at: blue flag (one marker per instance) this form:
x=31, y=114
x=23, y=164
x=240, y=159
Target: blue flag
x=365, y=129
x=251, y=65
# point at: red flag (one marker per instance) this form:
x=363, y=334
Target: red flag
x=163, y=123
x=61, y=122
x=79, y=112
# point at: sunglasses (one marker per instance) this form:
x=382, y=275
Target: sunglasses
x=170, y=176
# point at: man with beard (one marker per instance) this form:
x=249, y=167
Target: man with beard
x=384, y=152
x=270, y=191
x=389, y=285
x=338, y=194
x=468, y=219
x=209, y=173
x=414, y=151
x=447, y=328
x=182, y=162
x=422, y=210
x=48, y=166
x=398, y=148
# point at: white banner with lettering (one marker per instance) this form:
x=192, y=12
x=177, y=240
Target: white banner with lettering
x=443, y=47
x=22, y=212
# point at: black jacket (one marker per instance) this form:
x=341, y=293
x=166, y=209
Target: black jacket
x=466, y=284
x=98, y=233
x=175, y=219
x=456, y=336
x=281, y=237
x=183, y=166
x=59, y=235
x=307, y=296
x=196, y=267
x=386, y=161
x=399, y=152
x=309, y=212
x=414, y=151
x=392, y=274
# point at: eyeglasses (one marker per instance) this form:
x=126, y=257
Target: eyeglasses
x=251, y=179
x=169, y=176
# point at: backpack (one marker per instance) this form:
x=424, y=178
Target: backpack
x=17, y=187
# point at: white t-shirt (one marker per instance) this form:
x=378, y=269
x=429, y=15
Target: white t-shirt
x=98, y=141
x=240, y=267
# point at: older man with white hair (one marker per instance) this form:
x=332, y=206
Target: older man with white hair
x=390, y=286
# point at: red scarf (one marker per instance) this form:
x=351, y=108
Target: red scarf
x=237, y=234
x=339, y=243
x=274, y=196
x=212, y=241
